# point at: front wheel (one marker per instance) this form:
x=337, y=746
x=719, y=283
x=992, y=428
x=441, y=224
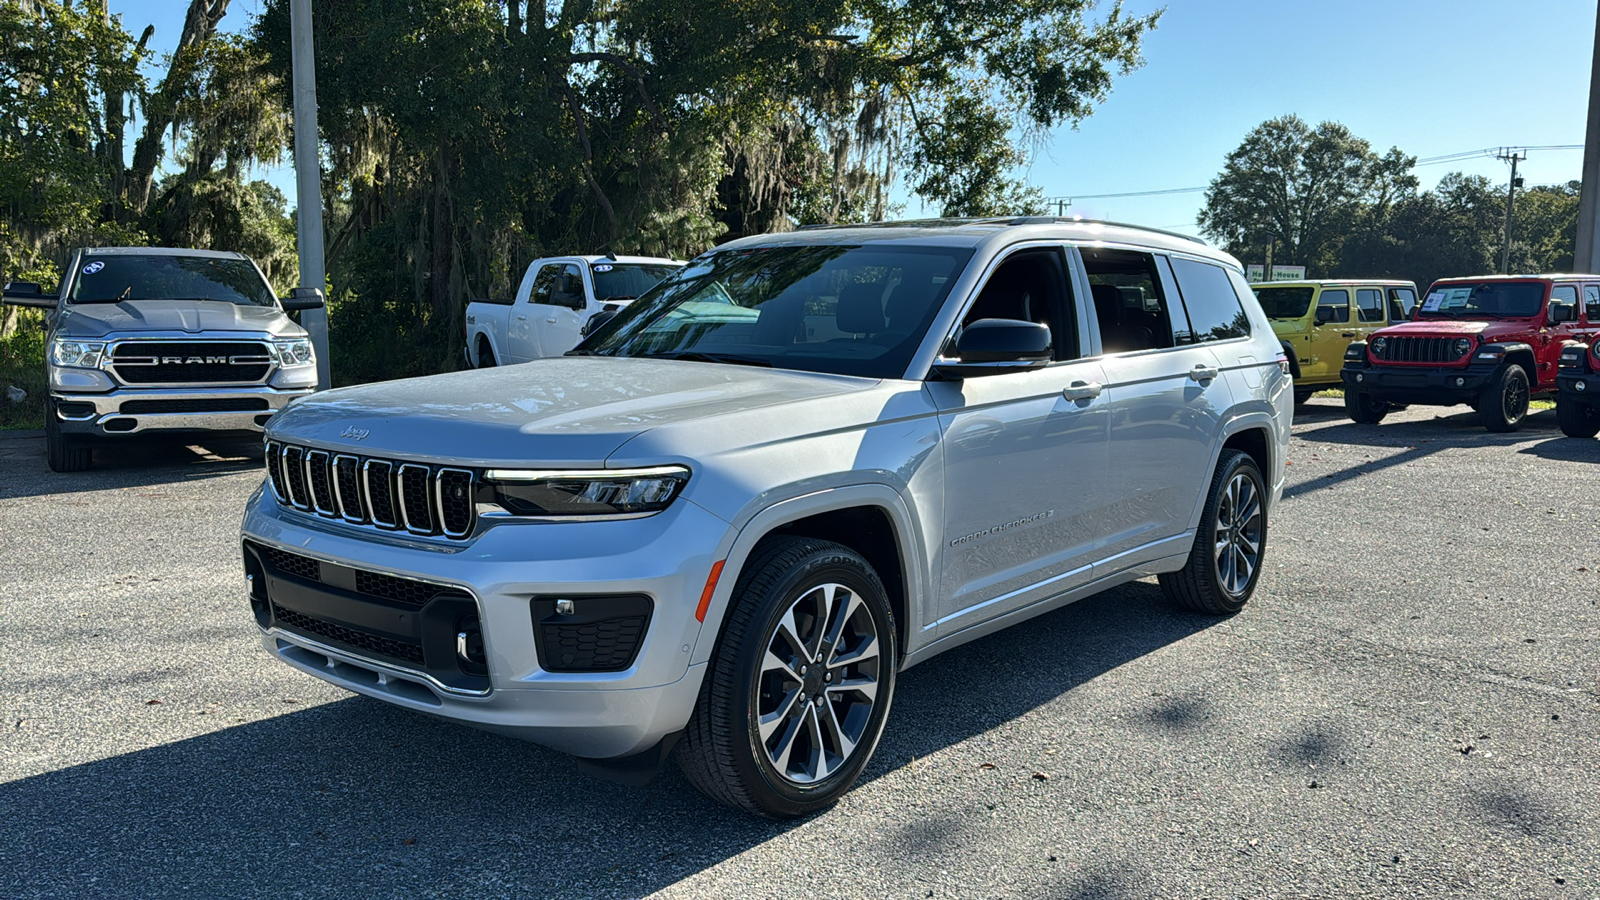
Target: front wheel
x=1504, y=401
x=61, y=451
x=1578, y=420
x=1362, y=408
x=798, y=690
x=1225, y=562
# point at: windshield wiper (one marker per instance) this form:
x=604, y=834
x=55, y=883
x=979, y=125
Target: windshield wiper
x=699, y=356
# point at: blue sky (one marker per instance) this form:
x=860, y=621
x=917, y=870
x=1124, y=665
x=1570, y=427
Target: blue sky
x=1433, y=77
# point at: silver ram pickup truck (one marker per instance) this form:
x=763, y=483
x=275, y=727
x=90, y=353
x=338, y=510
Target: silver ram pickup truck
x=720, y=527
x=150, y=340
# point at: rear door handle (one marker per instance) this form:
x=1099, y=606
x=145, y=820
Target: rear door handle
x=1203, y=373
x=522, y=318
x=551, y=319
x=1082, y=390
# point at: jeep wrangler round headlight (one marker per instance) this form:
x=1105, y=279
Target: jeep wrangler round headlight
x=1463, y=346
x=77, y=354
x=600, y=492
x=295, y=352
x=1378, y=345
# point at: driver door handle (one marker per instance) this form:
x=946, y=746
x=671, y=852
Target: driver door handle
x=1203, y=373
x=1082, y=390
x=551, y=319
x=1348, y=334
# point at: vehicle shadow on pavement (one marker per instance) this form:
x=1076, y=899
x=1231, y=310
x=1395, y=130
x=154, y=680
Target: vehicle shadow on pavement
x=1565, y=449
x=135, y=463
x=357, y=798
x=1415, y=439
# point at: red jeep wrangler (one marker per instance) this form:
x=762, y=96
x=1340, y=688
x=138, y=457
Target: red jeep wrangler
x=1578, y=388
x=1490, y=342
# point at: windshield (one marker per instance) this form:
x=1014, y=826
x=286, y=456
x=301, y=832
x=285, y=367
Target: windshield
x=1284, y=302
x=618, y=281
x=111, y=279
x=837, y=309
x=1517, y=299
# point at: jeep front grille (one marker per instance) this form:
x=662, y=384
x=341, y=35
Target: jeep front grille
x=383, y=493
x=190, y=362
x=1419, y=350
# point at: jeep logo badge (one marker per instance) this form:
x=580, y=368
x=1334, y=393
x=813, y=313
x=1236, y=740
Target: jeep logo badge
x=354, y=433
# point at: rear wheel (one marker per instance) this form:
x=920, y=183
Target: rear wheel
x=1504, y=402
x=1225, y=562
x=61, y=451
x=1301, y=395
x=485, y=354
x=797, y=692
x=1579, y=420
x=1362, y=408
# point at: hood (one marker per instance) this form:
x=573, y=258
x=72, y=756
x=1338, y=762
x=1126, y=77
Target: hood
x=88, y=320
x=1448, y=328
x=563, y=411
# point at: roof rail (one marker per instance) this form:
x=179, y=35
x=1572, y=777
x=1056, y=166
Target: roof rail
x=1004, y=220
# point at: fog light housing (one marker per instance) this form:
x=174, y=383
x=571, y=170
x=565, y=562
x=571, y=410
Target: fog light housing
x=1360, y=376
x=1460, y=382
x=1579, y=386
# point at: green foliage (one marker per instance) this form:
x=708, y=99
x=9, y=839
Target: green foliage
x=22, y=366
x=1303, y=188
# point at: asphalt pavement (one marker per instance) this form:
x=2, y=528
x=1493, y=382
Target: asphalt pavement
x=1408, y=707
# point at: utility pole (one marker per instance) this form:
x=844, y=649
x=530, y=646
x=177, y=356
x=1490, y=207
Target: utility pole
x=1586, y=255
x=308, y=181
x=1514, y=157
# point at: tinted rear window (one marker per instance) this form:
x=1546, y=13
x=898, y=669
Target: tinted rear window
x=112, y=279
x=1215, y=313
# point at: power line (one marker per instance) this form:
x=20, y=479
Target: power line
x=1489, y=152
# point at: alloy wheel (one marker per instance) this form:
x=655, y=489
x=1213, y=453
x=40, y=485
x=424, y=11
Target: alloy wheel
x=818, y=684
x=1238, y=536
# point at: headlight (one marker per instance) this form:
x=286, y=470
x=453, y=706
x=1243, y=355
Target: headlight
x=616, y=492
x=296, y=352
x=1594, y=349
x=1378, y=344
x=1463, y=346
x=77, y=354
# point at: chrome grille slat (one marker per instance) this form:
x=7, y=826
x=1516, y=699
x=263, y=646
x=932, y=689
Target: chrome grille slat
x=394, y=495
x=318, y=482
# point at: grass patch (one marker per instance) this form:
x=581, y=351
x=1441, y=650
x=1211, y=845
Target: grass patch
x=22, y=366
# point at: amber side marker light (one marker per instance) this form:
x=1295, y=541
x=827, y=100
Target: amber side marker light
x=711, y=587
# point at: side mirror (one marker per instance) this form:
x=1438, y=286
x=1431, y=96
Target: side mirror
x=1326, y=314
x=27, y=293
x=997, y=346
x=1563, y=312
x=303, y=298
x=600, y=318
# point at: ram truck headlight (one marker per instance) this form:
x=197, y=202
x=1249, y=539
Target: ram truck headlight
x=295, y=352
x=1463, y=346
x=600, y=492
x=77, y=354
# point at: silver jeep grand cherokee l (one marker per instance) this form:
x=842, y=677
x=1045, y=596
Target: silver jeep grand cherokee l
x=721, y=526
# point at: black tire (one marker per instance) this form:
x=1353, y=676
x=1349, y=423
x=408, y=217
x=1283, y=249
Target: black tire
x=1206, y=583
x=60, y=450
x=1504, y=402
x=723, y=753
x=1362, y=409
x=1577, y=420
x=485, y=354
x=1301, y=395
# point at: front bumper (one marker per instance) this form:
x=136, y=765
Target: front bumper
x=505, y=572
x=126, y=411
x=1420, y=385
x=1568, y=387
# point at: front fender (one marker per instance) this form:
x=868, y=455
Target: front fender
x=902, y=518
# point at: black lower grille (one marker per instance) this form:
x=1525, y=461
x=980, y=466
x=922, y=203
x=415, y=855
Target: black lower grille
x=598, y=634
x=404, y=651
x=223, y=404
x=292, y=563
x=400, y=590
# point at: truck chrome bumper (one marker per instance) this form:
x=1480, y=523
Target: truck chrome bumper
x=132, y=411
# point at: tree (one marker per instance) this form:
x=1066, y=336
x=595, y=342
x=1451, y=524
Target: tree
x=1304, y=189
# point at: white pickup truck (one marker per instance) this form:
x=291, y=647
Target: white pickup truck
x=557, y=299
